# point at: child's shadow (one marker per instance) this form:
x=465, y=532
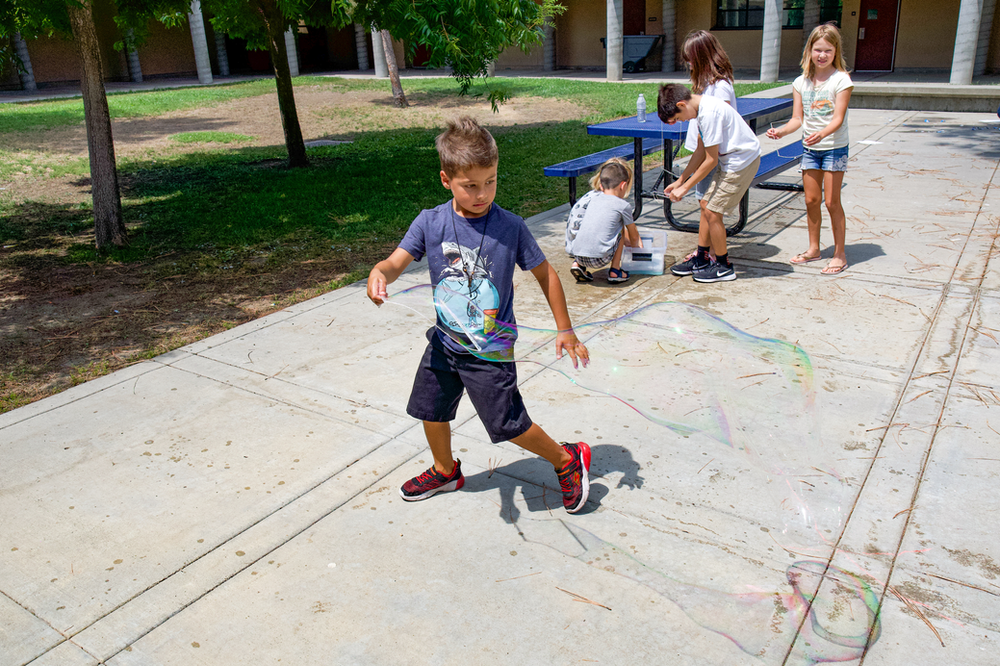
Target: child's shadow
x=539, y=486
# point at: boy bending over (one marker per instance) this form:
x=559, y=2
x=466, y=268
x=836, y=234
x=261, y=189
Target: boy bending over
x=472, y=246
x=724, y=138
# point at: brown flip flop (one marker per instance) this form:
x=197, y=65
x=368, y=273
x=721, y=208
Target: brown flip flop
x=801, y=258
x=833, y=270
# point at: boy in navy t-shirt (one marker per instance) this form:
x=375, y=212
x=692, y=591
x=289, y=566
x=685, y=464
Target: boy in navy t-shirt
x=472, y=246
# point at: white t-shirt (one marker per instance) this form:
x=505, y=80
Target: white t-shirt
x=723, y=90
x=818, y=105
x=722, y=125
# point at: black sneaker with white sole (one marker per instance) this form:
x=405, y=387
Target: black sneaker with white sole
x=690, y=266
x=715, y=272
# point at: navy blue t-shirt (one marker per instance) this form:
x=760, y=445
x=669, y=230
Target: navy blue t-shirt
x=474, y=257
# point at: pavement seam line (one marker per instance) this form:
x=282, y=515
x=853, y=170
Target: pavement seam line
x=944, y=403
x=283, y=543
x=222, y=543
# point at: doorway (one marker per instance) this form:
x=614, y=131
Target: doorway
x=877, y=23
x=634, y=17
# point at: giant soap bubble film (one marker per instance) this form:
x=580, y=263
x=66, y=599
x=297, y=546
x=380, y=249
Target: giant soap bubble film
x=747, y=402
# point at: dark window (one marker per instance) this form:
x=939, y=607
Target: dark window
x=749, y=14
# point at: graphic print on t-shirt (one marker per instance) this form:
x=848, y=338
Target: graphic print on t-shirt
x=465, y=298
x=819, y=103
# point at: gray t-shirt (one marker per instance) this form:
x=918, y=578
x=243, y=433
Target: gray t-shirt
x=601, y=225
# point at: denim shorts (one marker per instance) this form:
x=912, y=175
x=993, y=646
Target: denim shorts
x=825, y=160
x=492, y=386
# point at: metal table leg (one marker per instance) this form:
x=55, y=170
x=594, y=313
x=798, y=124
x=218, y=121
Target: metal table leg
x=637, y=177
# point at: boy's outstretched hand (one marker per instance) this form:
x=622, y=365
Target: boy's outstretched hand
x=567, y=341
x=377, y=287
x=385, y=273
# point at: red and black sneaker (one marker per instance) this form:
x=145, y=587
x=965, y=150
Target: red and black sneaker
x=573, y=479
x=433, y=481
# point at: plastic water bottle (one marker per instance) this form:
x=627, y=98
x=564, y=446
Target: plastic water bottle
x=640, y=108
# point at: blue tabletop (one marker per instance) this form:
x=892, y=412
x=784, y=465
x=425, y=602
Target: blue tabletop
x=654, y=128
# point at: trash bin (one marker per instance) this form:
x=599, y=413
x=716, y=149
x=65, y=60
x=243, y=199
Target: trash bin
x=635, y=50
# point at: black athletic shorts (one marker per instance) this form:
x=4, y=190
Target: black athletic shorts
x=492, y=386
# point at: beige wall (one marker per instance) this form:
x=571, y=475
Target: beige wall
x=515, y=58
x=743, y=48
x=578, y=34
x=54, y=59
x=925, y=40
x=926, y=35
x=849, y=30
x=168, y=51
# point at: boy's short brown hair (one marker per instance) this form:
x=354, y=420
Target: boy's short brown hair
x=666, y=103
x=465, y=144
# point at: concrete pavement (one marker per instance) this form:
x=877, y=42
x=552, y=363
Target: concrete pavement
x=235, y=501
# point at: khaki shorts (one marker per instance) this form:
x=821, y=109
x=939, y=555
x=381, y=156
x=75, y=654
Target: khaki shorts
x=728, y=187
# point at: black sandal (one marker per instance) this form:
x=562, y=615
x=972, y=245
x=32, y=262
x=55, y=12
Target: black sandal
x=581, y=274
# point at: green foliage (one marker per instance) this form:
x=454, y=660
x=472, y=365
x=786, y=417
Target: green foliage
x=32, y=18
x=210, y=137
x=466, y=35
x=24, y=116
x=245, y=204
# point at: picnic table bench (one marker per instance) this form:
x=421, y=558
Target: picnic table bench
x=751, y=108
x=580, y=165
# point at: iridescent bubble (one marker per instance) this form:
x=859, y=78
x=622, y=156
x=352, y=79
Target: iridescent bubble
x=746, y=398
x=825, y=614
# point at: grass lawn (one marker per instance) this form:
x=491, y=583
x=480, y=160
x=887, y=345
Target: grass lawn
x=222, y=231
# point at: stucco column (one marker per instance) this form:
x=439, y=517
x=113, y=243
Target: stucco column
x=613, y=41
x=549, y=46
x=810, y=19
x=770, y=46
x=361, y=44
x=221, y=55
x=197, y=23
x=134, y=67
x=970, y=13
x=28, y=75
x=668, y=63
x=378, y=51
x=293, y=52
x=985, y=27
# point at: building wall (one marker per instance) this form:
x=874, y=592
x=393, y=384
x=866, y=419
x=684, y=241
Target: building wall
x=515, y=58
x=926, y=34
x=579, y=30
x=9, y=78
x=993, y=56
x=342, y=49
x=169, y=51
x=925, y=37
x=54, y=59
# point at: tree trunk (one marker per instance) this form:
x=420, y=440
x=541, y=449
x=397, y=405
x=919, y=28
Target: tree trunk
x=109, y=227
x=275, y=23
x=398, y=98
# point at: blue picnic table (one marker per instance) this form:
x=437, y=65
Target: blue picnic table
x=751, y=108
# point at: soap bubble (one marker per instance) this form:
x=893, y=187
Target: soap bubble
x=821, y=613
x=743, y=398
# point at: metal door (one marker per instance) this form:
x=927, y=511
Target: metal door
x=877, y=24
x=634, y=17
